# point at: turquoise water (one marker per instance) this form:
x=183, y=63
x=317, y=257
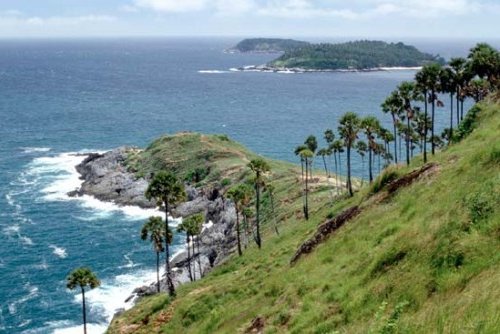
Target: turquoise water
x=58, y=98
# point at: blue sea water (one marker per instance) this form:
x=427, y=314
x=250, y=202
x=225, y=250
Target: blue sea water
x=59, y=98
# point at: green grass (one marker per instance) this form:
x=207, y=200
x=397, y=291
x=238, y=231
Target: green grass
x=425, y=261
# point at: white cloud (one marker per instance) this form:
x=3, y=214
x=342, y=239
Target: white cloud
x=230, y=7
x=172, y=5
x=19, y=20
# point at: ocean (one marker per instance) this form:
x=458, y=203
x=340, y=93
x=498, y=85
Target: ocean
x=62, y=97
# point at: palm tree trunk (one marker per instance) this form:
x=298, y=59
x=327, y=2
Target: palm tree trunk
x=408, y=141
x=433, y=144
x=84, y=311
x=451, y=116
x=306, y=206
x=461, y=109
x=257, y=210
x=349, y=185
x=395, y=139
x=425, y=128
x=271, y=198
x=170, y=284
x=158, y=271
x=199, y=257
x=336, y=173
x=326, y=168
x=193, y=260
x=189, y=258
x=238, y=232
x=370, y=172
x=458, y=106
x=340, y=171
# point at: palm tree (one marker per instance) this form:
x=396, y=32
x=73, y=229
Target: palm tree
x=154, y=228
x=307, y=155
x=194, y=225
x=239, y=194
x=185, y=227
x=312, y=145
x=422, y=80
x=431, y=72
x=459, y=68
x=348, y=128
x=392, y=105
x=448, y=85
x=297, y=153
x=485, y=62
x=270, y=192
x=361, y=149
x=370, y=126
x=167, y=190
x=83, y=278
x=386, y=137
x=259, y=167
x=323, y=153
x=337, y=147
x=408, y=93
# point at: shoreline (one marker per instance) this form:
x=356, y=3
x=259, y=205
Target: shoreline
x=293, y=70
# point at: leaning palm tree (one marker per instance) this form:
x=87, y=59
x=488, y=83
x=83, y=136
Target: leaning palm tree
x=239, y=194
x=370, y=125
x=82, y=278
x=167, y=190
x=348, y=128
x=408, y=92
x=154, y=229
x=307, y=155
x=259, y=167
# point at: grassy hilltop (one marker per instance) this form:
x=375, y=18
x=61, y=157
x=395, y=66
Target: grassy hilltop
x=424, y=260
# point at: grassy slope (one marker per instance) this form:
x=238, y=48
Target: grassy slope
x=417, y=257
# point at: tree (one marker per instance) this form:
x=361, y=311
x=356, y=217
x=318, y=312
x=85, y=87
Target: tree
x=432, y=73
x=448, y=85
x=186, y=227
x=312, y=145
x=307, y=155
x=370, y=126
x=329, y=138
x=240, y=195
x=154, y=229
x=361, y=149
x=408, y=93
x=270, y=192
x=167, y=190
x=459, y=68
x=478, y=89
x=337, y=147
x=82, y=278
x=485, y=62
x=348, y=128
x=259, y=167
x=297, y=153
x=392, y=105
x=193, y=226
x=323, y=153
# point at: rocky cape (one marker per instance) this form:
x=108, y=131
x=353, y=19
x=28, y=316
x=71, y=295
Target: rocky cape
x=292, y=70
x=106, y=177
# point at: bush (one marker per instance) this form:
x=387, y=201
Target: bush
x=383, y=179
x=197, y=175
x=480, y=204
x=467, y=125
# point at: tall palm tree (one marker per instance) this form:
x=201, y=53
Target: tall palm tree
x=370, y=125
x=193, y=225
x=348, y=128
x=408, y=93
x=239, y=194
x=361, y=149
x=448, y=85
x=312, y=144
x=387, y=137
x=82, y=278
x=459, y=68
x=422, y=80
x=392, y=105
x=329, y=138
x=485, y=62
x=307, y=155
x=259, y=167
x=186, y=228
x=323, y=153
x=271, y=192
x=432, y=73
x=154, y=229
x=337, y=147
x=167, y=190
x=297, y=153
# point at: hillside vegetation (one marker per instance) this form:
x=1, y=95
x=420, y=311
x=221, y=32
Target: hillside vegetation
x=353, y=55
x=268, y=45
x=424, y=260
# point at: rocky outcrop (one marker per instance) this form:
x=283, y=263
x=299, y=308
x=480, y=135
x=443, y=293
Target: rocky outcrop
x=106, y=177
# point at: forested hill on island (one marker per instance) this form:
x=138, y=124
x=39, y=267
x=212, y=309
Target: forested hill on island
x=354, y=55
x=267, y=45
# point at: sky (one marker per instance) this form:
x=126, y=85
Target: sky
x=251, y=18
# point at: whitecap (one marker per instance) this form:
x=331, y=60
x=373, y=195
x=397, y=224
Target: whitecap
x=213, y=72
x=11, y=230
x=32, y=293
x=130, y=263
x=25, y=240
x=29, y=150
x=59, y=251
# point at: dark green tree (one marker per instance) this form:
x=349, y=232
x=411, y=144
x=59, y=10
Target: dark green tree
x=349, y=126
x=154, y=228
x=82, y=278
x=392, y=105
x=432, y=73
x=370, y=125
x=240, y=195
x=259, y=166
x=167, y=190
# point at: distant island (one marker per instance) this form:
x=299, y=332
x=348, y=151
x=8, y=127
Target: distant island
x=267, y=45
x=350, y=56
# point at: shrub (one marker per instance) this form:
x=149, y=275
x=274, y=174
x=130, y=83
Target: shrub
x=480, y=204
x=467, y=125
x=387, y=176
